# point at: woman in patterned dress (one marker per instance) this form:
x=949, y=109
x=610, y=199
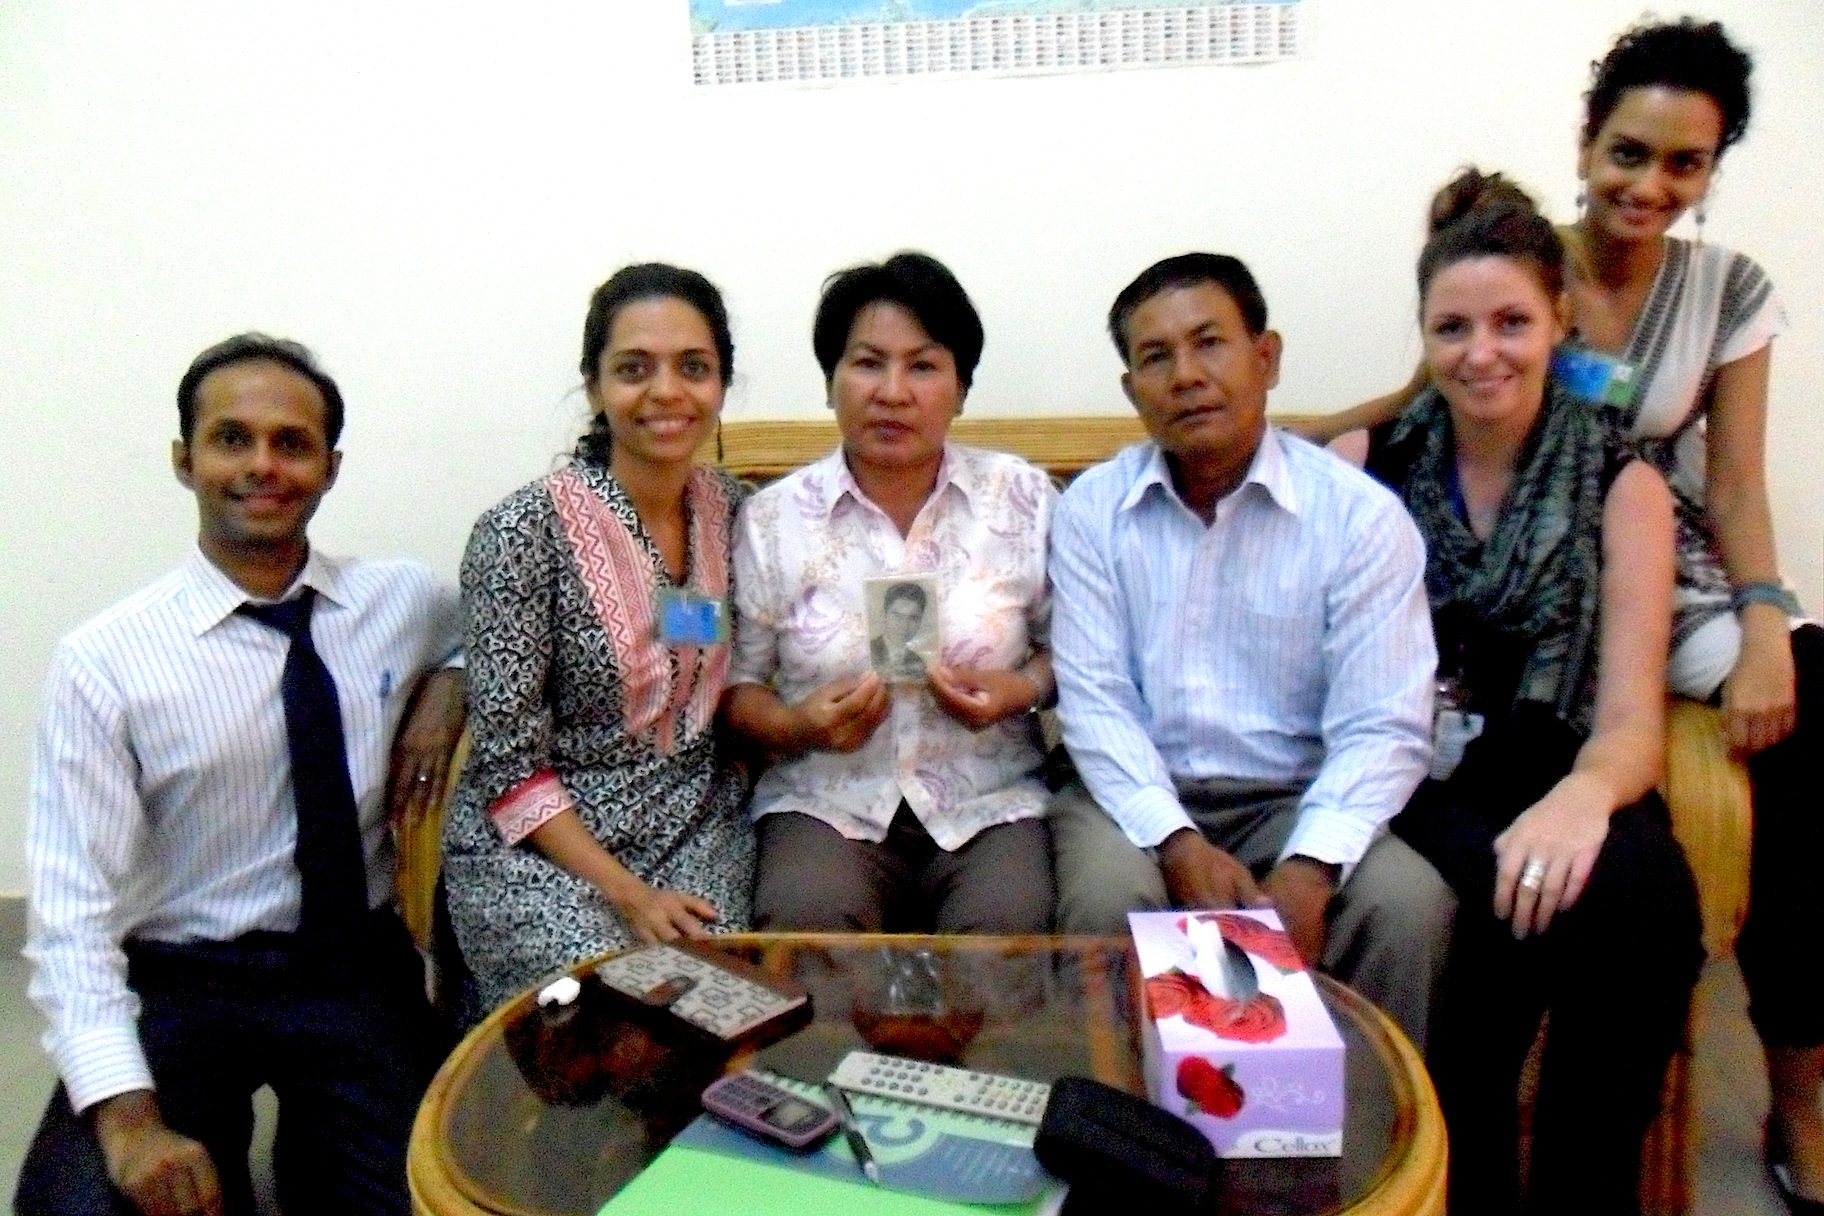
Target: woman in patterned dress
x=1693, y=324
x=597, y=808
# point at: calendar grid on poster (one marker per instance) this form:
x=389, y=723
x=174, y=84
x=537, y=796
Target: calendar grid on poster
x=1026, y=44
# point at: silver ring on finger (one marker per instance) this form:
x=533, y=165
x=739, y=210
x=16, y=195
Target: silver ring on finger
x=1532, y=877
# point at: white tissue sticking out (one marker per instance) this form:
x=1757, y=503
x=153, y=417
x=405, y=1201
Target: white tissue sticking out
x=1206, y=955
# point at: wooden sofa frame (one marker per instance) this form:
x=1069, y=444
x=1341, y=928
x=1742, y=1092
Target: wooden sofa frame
x=1706, y=789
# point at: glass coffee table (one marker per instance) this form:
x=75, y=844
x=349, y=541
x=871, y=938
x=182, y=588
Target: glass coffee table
x=542, y=1114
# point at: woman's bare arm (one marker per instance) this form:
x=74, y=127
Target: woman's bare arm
x=1324, y=428
x=1760, y=696
x=654, y=915
x=1625, y=753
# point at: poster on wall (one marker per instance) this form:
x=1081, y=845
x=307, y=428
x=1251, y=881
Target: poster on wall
x=772, y=42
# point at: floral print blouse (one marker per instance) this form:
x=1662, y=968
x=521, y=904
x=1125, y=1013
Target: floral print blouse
x=803, y=547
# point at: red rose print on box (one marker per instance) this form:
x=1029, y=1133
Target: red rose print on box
x=1209, y=1090
x=1258, y=1019
x=1257, y=938
x=1235, y=1036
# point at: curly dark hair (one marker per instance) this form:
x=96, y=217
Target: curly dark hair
x=1688, y=55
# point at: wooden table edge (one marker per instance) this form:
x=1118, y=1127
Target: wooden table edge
x=1414, y=1183
x=432, y=1176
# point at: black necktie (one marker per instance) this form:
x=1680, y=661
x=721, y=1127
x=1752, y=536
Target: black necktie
x=328, y=853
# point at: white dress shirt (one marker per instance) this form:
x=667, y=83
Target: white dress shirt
x=1287, y=641
x=162, y=805
x=803, y=547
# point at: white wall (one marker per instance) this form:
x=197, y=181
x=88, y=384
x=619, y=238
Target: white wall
x=428, y=196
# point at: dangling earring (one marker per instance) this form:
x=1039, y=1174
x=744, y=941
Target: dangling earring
x=1583, y=201
x=1699, y=214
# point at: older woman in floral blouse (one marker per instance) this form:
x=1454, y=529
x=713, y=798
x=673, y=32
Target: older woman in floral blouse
x=913, y=804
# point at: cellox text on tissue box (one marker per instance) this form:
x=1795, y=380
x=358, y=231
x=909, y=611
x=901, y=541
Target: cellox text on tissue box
x=1235, y=1037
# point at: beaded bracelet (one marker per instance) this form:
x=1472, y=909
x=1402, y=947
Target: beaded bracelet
x=1762, y=592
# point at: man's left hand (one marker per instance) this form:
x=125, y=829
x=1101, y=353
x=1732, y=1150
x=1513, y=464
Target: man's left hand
x=1300, y=889
x=422, y=749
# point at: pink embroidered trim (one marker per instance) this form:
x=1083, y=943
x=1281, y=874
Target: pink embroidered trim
x=622, y=584
x=533, y=802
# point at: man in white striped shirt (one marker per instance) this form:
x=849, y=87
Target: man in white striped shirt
x=1244, y=660
x=168, y=848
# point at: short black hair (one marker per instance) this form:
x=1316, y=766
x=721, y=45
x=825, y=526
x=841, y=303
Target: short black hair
x=247, y=348
x=905, y=591
x=917, y=282
x=1686, y=55
x=1231, y=274
x=628, y=285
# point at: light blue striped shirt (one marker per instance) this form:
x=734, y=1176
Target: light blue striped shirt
x=1289, y=640
x=161, y=792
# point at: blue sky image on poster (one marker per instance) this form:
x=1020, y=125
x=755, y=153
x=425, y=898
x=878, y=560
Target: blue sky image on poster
x=729, y=16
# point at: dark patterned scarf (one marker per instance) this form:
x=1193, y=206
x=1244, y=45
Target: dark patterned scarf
x=1536, y=581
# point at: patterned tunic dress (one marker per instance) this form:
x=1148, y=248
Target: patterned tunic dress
x=574, y=705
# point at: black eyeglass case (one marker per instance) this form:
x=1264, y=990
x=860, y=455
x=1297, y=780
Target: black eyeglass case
x=1113, y=1147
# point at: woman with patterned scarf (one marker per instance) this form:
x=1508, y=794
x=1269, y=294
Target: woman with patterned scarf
x=599, y=807
x=1549, y=569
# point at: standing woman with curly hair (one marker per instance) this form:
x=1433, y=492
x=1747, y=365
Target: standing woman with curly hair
x=1694, y=324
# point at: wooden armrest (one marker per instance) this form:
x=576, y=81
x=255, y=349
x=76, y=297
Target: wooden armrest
x=1712, y=805
x=420, y=857
x=761, y=449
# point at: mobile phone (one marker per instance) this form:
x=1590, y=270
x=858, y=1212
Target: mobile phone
x=772, y=1112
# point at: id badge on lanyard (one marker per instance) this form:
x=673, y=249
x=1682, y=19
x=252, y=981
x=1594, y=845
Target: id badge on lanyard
x=1596, y=377
x=689, y=618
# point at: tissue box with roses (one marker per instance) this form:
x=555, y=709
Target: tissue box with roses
x=1234, y=1035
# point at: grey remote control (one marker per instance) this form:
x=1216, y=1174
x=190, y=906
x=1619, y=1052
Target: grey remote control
x=960, y=1089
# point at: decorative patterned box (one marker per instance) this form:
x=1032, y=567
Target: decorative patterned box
x=1234, y=1035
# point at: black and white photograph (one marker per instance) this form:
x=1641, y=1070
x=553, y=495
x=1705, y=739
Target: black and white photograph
x=902, y=626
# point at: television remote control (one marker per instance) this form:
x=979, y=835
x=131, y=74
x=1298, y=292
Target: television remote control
x=958, y=1089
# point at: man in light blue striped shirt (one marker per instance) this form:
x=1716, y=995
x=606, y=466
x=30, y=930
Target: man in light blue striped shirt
x=167, y=838
x=1244, y=660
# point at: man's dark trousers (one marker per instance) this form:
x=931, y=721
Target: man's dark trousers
x=348, y=1045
